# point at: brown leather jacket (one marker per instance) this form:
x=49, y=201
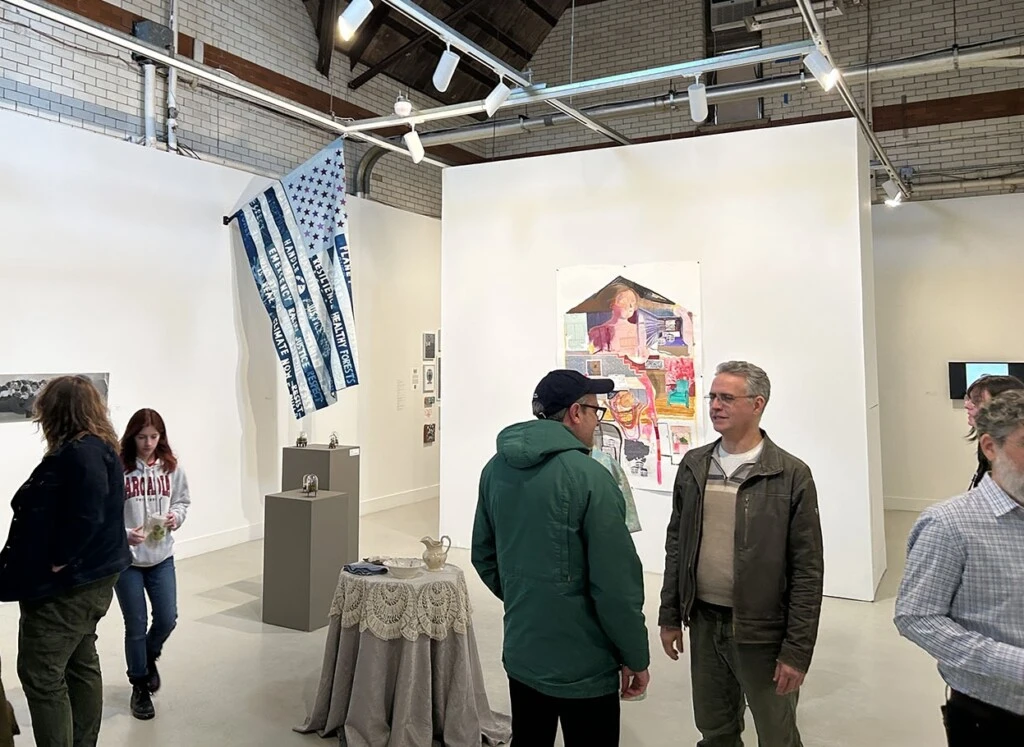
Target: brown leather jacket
x=779, y=561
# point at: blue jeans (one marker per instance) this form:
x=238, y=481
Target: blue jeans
x=142, y=646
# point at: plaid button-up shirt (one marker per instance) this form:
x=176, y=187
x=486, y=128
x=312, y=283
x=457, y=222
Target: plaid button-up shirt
x=962, y=596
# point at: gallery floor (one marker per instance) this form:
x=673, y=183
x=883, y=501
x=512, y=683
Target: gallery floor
x=229, y=679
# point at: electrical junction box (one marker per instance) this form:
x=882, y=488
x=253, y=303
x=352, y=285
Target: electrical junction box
x=153, y=33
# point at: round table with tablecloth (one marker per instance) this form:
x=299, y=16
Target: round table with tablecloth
x=401, y=667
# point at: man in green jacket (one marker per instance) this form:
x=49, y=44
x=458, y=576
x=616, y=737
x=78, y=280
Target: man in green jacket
x=550, y=541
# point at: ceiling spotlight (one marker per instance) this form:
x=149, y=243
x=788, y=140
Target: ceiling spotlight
x=698, y=97
x=414, y=144
x=894, y=193
x=445, y=70
x=822, y=70
x=403, y=107
x=353, y=17
x=496, y=98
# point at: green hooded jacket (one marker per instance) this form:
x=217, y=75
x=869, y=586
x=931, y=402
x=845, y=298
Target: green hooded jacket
x=550, y=541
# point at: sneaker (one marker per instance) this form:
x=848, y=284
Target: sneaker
x=153, y=677
x=142, y=703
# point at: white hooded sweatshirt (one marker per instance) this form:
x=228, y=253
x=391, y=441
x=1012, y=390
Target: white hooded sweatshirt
x=150, y=493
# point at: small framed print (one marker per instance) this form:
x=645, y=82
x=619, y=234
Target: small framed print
x=429, y=433
x=429, y=378
x=429, y=346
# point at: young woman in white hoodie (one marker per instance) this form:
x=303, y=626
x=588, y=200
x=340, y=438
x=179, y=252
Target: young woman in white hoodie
x=156, y=503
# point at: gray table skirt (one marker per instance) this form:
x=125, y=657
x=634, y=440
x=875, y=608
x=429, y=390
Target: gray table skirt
x=423, y=693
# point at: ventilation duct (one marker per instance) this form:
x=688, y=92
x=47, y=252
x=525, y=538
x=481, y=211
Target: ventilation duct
x=731, y=14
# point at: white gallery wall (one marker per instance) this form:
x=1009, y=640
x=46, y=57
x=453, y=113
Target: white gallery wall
x=778, y=219
x=949, y=279
x=115, y=259
x=396, y=270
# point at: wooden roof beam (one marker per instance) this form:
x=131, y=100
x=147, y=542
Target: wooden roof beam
x=327, y=21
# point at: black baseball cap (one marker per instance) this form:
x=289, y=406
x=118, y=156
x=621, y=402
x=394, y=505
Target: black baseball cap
x=563, y=388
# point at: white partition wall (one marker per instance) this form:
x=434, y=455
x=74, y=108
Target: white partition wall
x=115, y=259
x=778, y=219
x=949, y=289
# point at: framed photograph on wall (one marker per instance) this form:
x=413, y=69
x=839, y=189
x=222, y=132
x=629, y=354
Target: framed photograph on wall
x=18, y=392
x=429, y=378
x=429, y=346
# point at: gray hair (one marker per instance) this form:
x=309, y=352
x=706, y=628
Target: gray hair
x=1001, y=416
x=758, y=384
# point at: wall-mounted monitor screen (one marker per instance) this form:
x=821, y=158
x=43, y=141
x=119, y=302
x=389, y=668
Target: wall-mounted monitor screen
x=963, y=373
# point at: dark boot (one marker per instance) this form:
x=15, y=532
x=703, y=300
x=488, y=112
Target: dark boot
x=153, y=676
x=142, y=703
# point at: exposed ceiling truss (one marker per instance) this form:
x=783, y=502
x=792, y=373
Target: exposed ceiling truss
x=325, y=33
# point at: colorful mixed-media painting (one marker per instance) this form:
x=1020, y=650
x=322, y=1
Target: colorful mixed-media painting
x=637, y=326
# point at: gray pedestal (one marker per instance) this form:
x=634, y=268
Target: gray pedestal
x=306, y=542
x=336, y=469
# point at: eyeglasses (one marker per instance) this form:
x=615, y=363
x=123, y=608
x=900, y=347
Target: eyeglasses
x=728, y=399
x=599, y=410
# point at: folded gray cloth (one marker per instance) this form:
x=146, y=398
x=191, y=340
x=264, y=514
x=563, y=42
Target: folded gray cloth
x=365, y=569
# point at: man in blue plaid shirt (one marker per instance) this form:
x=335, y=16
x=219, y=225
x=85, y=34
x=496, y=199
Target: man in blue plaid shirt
x=962, y=596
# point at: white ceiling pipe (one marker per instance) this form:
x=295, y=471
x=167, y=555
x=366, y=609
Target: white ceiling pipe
x=1008, y=62
x=172, y=85
x=539, y=94
x=939, y=62
x=149, y=104
x=966, y=184
x=716, y=95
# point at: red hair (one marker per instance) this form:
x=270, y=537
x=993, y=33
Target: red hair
x=146, y=418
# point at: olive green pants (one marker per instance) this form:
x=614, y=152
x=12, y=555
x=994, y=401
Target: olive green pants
x=58, y=665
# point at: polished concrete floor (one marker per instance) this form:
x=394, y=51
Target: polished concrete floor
x=229, y=679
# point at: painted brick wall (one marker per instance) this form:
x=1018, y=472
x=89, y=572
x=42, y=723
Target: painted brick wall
x=618, y=36
x=57, y=74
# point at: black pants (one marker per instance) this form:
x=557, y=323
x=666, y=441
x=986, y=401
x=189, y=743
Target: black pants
x=593, y=722
x=972, y=723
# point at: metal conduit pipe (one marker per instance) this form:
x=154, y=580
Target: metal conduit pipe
x=937, y=63
x=943, y=62
x=364, y=171
x=996, y=181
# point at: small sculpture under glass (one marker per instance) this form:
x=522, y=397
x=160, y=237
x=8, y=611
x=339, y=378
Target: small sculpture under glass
x=302, y=441
x=310, y=484
x=333, y=443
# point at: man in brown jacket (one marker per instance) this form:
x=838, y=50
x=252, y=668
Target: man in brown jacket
x=743, y=570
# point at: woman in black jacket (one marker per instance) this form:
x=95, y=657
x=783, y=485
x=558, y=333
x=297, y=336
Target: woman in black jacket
x=65, y=550
x=981, y=391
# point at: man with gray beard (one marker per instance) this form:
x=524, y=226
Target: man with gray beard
x=962, y=596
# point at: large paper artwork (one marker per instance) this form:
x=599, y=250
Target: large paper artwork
x=639, y=326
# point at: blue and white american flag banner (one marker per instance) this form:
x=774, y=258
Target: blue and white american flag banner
x=295, y=237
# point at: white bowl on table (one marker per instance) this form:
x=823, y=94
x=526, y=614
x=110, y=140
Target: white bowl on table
x=403, y=568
